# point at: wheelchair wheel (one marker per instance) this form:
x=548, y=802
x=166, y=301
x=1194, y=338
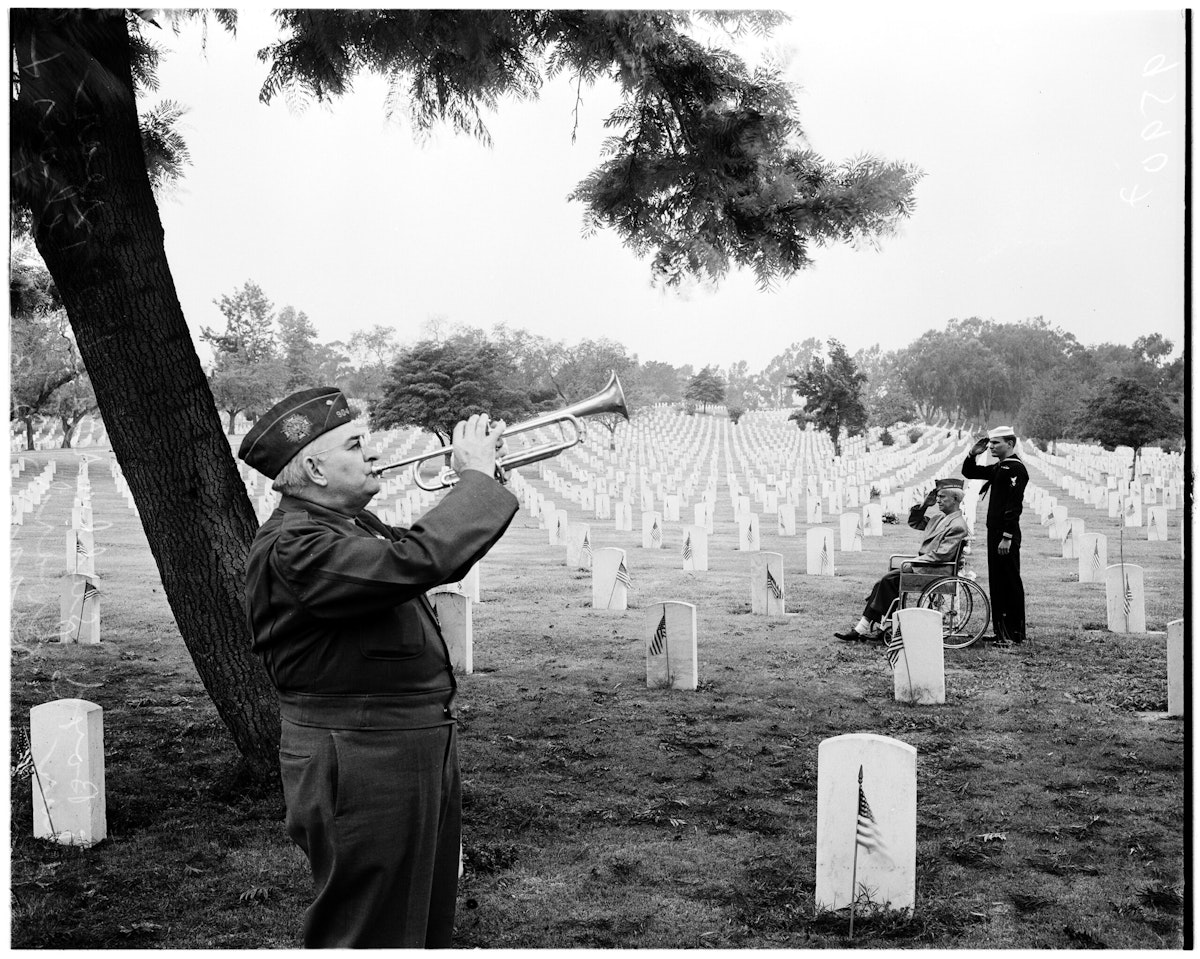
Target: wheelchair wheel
x=964, y=607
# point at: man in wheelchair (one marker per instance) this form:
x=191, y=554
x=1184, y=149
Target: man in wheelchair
x=943, y=537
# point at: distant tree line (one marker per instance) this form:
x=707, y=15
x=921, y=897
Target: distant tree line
x=968, y=375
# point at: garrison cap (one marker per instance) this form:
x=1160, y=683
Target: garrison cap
x=290, y=425
x=1000, y=432
x=950, y=481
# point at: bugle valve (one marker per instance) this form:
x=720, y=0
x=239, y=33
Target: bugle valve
x=611, y=399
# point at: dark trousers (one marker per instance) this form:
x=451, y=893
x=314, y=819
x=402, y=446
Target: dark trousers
x=1005, y=586
x=882, y=595
x=378, y=813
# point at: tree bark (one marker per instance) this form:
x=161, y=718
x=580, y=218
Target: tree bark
x=111, y=271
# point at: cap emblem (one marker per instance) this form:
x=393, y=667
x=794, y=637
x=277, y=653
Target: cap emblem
x=295, y=428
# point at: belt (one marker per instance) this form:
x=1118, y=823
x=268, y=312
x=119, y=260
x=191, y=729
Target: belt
x=370, y=711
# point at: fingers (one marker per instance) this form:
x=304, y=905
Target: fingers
x=496, y=431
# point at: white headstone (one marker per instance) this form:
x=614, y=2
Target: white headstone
x=820, y=551
x=1176, y=674
x=652, y=530
x=767, y=588
x=671, y=645
x=869, y=858
x=454, y=618
x=469, y=585
x=920, y=665
x=695, y=548
x=1058, y=523
x=1126, y=600
x=1072, y=539
x=79, y=621
x=623, y=517
x=1156, y=524
x=748, y=532
x=872, y=520
x=813, y=504
x=671, y=507
x=579, y=546
x=852, y=541
x=66, y=739
x=1093, y=557
x=610, y=579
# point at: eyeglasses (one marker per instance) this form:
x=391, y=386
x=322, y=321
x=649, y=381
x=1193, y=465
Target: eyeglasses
x=354, y=443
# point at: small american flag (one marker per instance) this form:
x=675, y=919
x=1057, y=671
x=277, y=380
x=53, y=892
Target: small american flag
x=22, y=764
x=655, y=534
x=867, y=833
x=824, y=555
x=1096, y=570
x=773, y=587
x=80, y=547
x=751, y=535
x=894, y=646
x=1128, y=596
x=858, y=535
x=623, y=575
x=660, y=637
x=89, y=591
x=687, y=547
x=585, y=547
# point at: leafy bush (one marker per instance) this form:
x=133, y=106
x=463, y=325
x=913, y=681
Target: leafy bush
x=914, y=434
x=887, y=439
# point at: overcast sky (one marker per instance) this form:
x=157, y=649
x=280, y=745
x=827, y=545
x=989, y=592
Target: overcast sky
x=1053, y=147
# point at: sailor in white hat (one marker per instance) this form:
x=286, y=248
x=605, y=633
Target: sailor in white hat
x=1005, y=480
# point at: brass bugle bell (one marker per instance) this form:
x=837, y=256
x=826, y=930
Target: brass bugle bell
x=611, y=399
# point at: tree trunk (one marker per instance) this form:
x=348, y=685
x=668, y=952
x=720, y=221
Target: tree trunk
x=162, y=423
x=232, y=419
x=29, y=433
x=67, y=426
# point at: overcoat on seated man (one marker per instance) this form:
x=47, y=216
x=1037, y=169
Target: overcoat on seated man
x=943, y=536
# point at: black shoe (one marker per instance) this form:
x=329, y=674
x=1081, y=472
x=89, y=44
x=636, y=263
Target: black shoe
x=851, y=635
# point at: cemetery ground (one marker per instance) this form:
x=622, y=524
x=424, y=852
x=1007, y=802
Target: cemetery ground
x=602, y=813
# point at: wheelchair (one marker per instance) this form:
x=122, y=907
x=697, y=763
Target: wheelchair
x=963, y=603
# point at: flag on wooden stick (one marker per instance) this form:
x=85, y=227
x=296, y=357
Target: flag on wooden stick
x=894, y=646
x=660, y=636
x=866, y=831
x=773, y=587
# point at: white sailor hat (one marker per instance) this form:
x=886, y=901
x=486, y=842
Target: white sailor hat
x=1000, y=432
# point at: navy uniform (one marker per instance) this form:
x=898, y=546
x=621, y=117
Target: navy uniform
x=368, y=749
x=1005, y=483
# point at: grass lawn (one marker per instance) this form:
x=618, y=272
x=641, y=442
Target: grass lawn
x=603, y=813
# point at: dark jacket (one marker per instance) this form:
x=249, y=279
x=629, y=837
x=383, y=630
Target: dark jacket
x=337, y=606
x=1006, y=481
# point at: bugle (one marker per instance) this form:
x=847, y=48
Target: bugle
x=611, y=399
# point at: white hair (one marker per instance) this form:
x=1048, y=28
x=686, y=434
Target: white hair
x=956, y=491
x=293, y=478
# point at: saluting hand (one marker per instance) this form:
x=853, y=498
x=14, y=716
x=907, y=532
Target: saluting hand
x=980, y=445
